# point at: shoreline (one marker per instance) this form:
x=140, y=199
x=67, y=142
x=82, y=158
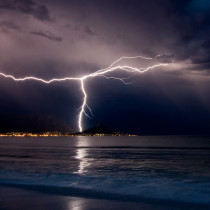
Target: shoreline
x=18, y=196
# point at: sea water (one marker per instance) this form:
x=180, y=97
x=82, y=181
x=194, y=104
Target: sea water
x=173, y=168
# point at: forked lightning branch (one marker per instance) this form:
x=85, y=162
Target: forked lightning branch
x=100, y=73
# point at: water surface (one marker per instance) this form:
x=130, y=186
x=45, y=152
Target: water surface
x=158, y=167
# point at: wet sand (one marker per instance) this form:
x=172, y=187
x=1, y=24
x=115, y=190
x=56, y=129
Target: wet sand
x=18, y=199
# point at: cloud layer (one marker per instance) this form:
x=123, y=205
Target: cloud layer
x=30, y=7
x=74, y=37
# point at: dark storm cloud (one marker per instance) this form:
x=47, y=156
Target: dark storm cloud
x=38, y=11
x=178, y=31
x=84, y=29
x=191, y=19
x=89, y=31
x=9, y=25
x=48, y=35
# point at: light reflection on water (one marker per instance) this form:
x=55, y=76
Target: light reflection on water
x=111, y=156
x=77, y=204
x=83, y=162
x=149, y=166
x=81, y=154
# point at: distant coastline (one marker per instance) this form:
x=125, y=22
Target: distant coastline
x=99, y=130
x=57, y=134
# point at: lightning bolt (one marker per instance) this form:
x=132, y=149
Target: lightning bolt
x=100, y=73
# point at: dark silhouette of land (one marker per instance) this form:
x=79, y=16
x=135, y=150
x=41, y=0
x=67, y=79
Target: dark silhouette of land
x=32, y=123
x=99, y=128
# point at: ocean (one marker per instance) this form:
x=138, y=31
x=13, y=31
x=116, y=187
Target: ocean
x=162, y=168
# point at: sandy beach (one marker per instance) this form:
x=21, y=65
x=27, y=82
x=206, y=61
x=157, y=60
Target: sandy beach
x=17, y=199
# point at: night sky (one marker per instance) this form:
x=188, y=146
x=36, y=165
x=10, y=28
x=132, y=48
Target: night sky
x=62, y=38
